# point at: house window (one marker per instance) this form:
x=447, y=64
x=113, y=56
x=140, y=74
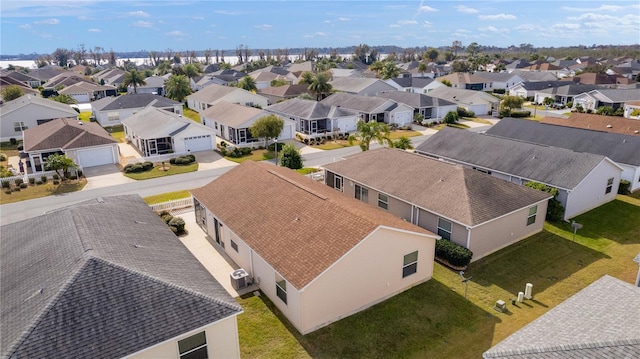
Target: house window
x=113, y=116
x=234, y=245
x=444, y=229
x=194, y=347
x=337, y=183
x=281, y=288
x=19, y=126
x=383, y=201
x=215, y=125
x=609, y=186
x=410, y=264
x=362, y=194
x=531, y=219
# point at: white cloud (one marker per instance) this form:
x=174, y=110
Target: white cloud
x=494, y=29
x=327, y=21
x=264, y=27
x=84, y=18
x=601, y=8
x=175, y=33
x=407, y=22
x=394, y=25
x=48, y=22
x=315, y=34
x=25, y=26
x=94, y=30
x=566, y=26
x=141, y=23
x=466, y=9
x=320, y=33
x=198, y=17
x=138, y=13
x=426, y=8
x=343, y=19
x=227, y=12
x=427, y=24
x=527, y=27
x=497, y=17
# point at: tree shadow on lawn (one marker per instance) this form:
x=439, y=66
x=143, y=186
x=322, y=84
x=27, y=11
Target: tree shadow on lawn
x=543, y=259
x=429, y=320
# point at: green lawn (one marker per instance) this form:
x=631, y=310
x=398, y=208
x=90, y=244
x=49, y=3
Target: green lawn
x=166, y=197
x=157, y=171
x=116, y=132
x=478, y=120
x=84, y=116
x=43, y=190
x=191, y=114
x=433, y=320
x=307, y=170
x=454, y=125
x=332, y=145
x=399, y=133
x=256, y=155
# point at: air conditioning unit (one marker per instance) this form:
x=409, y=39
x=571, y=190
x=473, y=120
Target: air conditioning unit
x=501, y=306
x=239, y=279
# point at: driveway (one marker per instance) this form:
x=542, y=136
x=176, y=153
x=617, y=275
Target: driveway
x=104, y=176
x=208, y=160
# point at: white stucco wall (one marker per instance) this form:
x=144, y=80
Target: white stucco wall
x=29, y=114
x=590, y=193
x=631, y=174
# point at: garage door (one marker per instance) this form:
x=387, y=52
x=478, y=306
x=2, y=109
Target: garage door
x=96, y=157
x=198, y=143
x=403, y=118
x=286, y=133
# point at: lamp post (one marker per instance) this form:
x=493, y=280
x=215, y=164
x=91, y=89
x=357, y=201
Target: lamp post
x=575, y=225
x=466, y=283
x=276, y=147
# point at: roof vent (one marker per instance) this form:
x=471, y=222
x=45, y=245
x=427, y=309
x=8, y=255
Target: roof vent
x=79, y=123
x=99, y=200
x=636, y=131
x=609, y=126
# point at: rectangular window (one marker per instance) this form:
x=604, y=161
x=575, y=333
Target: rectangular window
x=444, y=229
x=362, y=194
x=337, y=182
x=234, y=245
x=281, y=288
x=19, y=126
x=410, y=264
x=609, y=186
x=383, y=201
x=113, y=116
x=194, y=347
x=531, y=219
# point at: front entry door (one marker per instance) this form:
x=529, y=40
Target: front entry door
x=216, y=226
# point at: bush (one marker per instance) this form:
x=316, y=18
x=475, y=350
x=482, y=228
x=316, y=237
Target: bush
x=519, y=114
x=20, y=148
x=13, y=141
x=272, y=147
x=178, y=223
x=451, y=117
x=43, y=178
x=8, y=191
x=3, y=157
x=6, y=184
x=570, y=104
x=32, y=180
x=56, y=176
x=72, y=177
x=23, y=185
x=18, y=181
x=56, y=182
x=16, y=189
x=624, y=187
x=453, y=253
x=79, y=173
x=555, y=210
x=499, y=91
x=290, y=157
x=138, y=167
x=463, y=112
x=146, y=166
x=38, y=182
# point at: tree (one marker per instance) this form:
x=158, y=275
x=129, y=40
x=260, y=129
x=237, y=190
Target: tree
x=446, y=82
x=605, y=110
x=267, y=127
x=163, y=68
x=432, y=54
x=548, y=101
x=320, y=85
x=403, y=143
x=369, y=131
x=306, y=78
x=389, y=70
x=64, y=98
x=133, y=78
x=178, y=87
x=473, y=48
x=460, y=66
x=248, y=83
x=455, y=46
x=192, y=70
x=58, y=162
x=555, y=210
x=422, y=67
x=61, y=56
x=278, y=82
x=290, y=157
x=510, y=102
x=451, y=117
x=11, y=93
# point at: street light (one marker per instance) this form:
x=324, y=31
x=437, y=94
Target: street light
x=575, y=225
x=466, y=283
x=276, y=146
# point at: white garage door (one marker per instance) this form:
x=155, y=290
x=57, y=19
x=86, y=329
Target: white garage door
x=198, y=143
x=96, y=157
x=403, y=118
x=286, y=133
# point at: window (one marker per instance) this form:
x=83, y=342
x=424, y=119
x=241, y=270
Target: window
x=19, y=126
x=444, y=229
x=609, y=186
x=234, y=245
x=281, y=288
x=113, y=116
x=531, y=219
x=362, y=194
x=194, y=347
x=337, y=182
x=383, y=201
x=410, y=264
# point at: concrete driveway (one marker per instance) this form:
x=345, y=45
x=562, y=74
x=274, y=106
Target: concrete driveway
x=104, y=176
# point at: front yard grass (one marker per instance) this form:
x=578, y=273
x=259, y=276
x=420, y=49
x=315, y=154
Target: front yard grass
x=157, y=171
x=454, y=125
x=10, y=150
x=117, y=132
x=399, y=133
x=332, y=145
x=85, y=116
x=166, y=197
x=256, y=155
x=43, y=190
x=478, y=120
x=191, y=114
x=434, y=320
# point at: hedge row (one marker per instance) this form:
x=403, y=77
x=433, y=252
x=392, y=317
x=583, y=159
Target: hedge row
x=183, y=160
x=176, y=224
x=138, y=167
x=453, y=253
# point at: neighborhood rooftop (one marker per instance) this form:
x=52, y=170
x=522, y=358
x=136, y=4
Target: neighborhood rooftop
x=133, y=101
x=415, y=100
x=309, y=109
x=155, y=123
x=594, y=122
x=66, y=133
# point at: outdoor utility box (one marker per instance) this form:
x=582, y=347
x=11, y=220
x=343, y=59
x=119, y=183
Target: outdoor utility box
x=239, y=279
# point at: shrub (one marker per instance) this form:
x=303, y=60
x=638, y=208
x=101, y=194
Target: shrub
x=272, y=147
x=463, y=112
x=624, y=187
x=191, y=157
x=6, y=184
x=173, y=161
x=18, y=181
x=8, y=191
x=3, y=157
x=451, y=117
x=167, y=218
x=20, y=148
x=13, y=141
x=56, y=176
x=453, y=253
x=500, y=91
x=80, y=173
x=174, y=230
x=570, y=104
x=16, y=189
x=43, y=178
x=32, y=180
x=72, y=177
x=519, y=114
x=178, y=223
x=38, y=182
x=23, y=185
x=147, y=165
x=290, y=157
x=418, y=118
x=56, y=182
x=555, y=210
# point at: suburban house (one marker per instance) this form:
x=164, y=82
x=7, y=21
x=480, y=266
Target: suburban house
x=23, y=78
x=231, y=123
x=480, y=102
x=29, y=111
x=84, y=92
x=106, y=278
x=467, y=81
x=501, y=80
x=87, y=143
x=529, y=89
x=316, y=118
x=614, y=98
x=372, y=108
x=153, y=131
x=282, y=93
x=64, y=79
x=563, y=93
x=579, y=327
x=318, y=255
x=631, y=110
x=111, y=111
x=46, y=72
x=622, y=149
x=263, y=77
x=222, y=77
x=589, y=121
x=6, y=81
x=154, y=85
x=430, y=108
x=470, y=208
x=213, y=94
x=360, y=86
x=111, y=76
x=535, y=76
x=414, y=84
x=584, y=180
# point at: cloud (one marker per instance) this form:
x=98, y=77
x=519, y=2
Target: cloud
x=497, y=17
x=601, y=8
x=264, y=27
x=426, y=8
x=94, y=30
x=394, y=25
x=527, y=27
x=343, y=19
x=25, y=26
x=48, y=22
x=175, y=33
x=138, y=13
x=494, y=29
x=466, y=9
x=316, y=34
x=427, y=24
x=198, y=18
x=141, y=23
x=227, y=12
x=84, y=18
x=566, y=26
x=407, y=22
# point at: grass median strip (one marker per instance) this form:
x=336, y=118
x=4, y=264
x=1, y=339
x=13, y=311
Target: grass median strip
x=42, y=190
x=166, y=197
x=157, y=171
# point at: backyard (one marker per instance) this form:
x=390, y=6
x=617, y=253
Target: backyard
x=435, y=320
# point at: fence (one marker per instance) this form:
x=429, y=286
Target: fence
x=171, y=206
x=155, y=159
x=25, y=178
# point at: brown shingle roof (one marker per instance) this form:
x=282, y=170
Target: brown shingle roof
x=299, y=226
x=597, y=122
x=65, y=133
x=452, y=191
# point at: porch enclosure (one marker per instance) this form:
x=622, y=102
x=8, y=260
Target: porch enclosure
x=312, y=127
x=241, y=135
x=378, y=117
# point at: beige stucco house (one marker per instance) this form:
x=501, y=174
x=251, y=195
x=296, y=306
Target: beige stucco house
x=318, y=255
x=467, y=207
x=210, y=95
x=29, y=111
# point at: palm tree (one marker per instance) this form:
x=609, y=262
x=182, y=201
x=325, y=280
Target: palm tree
x=306, y=78
x=389, y=70
x=134, y=78
x=320, y=85
x=64, y=98
x=178, y=87
x=192, y=70
x=248, y=83
x=369, y=131
x=422, y=67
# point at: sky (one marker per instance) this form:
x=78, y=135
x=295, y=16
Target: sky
x=29, y=26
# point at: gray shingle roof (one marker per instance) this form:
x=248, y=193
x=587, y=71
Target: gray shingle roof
x=466, y=196
x=134, y=101
x=366, y=104
x=66, y=133
x=233, y=115
x=600, y=321
x=26, y=100
x=570, y=89
x=412, y=81
x=554, y=166
x=308, y=109
x=353, y=84
x=100, y=279
x=155, y=123
x=617, y=95
x=415, y=100
x=461, y=95
x=620, y=148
